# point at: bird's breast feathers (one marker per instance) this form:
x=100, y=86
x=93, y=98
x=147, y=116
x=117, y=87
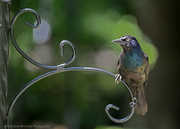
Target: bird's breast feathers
x=132, y=60
x=133, y=67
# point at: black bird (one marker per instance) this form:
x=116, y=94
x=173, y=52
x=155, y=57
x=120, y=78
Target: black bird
x=133, y=68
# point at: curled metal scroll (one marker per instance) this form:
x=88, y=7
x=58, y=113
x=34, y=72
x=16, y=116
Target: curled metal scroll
x=36, y=26
x=61, y=68
x=132, y=105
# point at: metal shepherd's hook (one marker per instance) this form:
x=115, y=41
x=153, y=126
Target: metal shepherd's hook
x=59, y=69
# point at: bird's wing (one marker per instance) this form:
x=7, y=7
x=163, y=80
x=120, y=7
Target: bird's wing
x=119, y=61
x=146, y=70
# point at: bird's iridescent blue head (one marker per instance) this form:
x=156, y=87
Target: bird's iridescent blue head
x=127, y=42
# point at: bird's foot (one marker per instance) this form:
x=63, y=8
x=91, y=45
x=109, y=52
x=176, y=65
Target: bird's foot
x=118, y=78
x=133, y=103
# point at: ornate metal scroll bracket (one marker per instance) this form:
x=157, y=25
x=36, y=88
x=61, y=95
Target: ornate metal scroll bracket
x=59, y=69
x=132, y=105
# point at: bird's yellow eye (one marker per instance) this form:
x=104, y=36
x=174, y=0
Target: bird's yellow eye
x=127, y=39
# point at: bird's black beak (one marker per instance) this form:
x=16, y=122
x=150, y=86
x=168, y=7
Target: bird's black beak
x=119, y=41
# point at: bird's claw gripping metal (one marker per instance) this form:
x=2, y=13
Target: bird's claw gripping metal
x=133, y=103
x=118, y=78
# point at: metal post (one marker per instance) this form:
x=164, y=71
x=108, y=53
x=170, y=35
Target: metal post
x=4, y=52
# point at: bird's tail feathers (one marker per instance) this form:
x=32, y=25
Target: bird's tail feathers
x=141, y=107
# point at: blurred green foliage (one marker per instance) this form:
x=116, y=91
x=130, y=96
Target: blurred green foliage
x=74, y=99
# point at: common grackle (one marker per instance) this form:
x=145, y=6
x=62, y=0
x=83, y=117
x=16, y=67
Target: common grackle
x=133, y=68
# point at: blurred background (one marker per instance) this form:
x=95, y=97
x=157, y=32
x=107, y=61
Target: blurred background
x=76, y=100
